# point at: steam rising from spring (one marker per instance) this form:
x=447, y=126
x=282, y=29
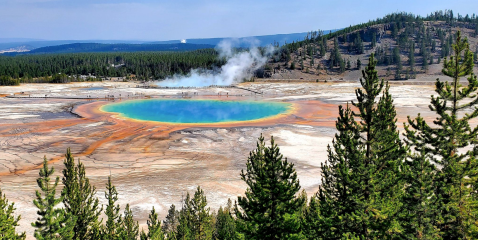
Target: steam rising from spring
x=239, y=66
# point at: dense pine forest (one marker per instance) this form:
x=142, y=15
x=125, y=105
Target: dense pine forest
x=69, y=67
x=404, y=45
x=373, y=185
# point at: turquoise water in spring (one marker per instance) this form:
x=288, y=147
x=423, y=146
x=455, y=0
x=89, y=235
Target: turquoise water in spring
x=196, y=111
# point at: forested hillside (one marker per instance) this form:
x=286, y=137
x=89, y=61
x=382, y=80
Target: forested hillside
x=141, y=65
x=404, y=44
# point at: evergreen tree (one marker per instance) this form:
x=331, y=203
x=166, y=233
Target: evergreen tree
x=311, y=220
x=8, y=222
x=225, y=228
x=342, y=66
x=130, y=228
x=53, y=222
x=270, y=208
x=398, y=73
x=154, y=228
x=349, y=66
x=323, y=50
x=335, y=56
x=374, y=39
x=78, y=198
x=113, y=226
x=418, y=213
x=396, y=55
x=411, y=56
x=359, y=64
x=184, y=228
x=202, y=220
x=446, y=142
x=171, y=223
x=361, y=180
x=195, y=221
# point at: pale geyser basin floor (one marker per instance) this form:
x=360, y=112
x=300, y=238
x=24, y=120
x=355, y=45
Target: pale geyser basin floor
x=155, y=165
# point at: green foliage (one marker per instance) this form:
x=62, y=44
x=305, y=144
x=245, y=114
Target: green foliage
x=8, y=222
x=130, y=228
x=450, y=144
x=357, y=45
x=361, y=183
x=270, y=207
x=425, y=63
x=195, y=221
x=79, y=198
x=8, y=81
x=53, y=222
x=475, y=55
x=335, y=57
x=396, y=55
x=113, y=226
x=144, y=65
x=311, y=220
x=394, y=31
x=225, y=227
x=374, y=40
x=419, y=211
x=171, y=223
x=411, y=55
x=342, y=66
x=154, y=228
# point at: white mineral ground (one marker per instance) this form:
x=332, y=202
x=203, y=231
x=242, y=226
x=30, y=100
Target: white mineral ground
x=148, y=171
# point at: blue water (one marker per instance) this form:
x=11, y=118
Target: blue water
x=196, y=111
x=94, y=88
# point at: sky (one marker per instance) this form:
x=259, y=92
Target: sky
x=182, y=19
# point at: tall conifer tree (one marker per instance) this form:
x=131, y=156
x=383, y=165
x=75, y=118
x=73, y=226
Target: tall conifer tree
x=79, y=198
x=112, y=228
x=53, y=222
x=270, y=208
x=129, y=227
x=451, y=143
x=418, y=212
x=225, y=223
x=154, y=228
x=171, y=223
x=8, y=221
x=195, y=221
x=184, y=229
x=361, y=180
x=311, y=220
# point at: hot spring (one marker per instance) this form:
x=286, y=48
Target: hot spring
x=196, y=111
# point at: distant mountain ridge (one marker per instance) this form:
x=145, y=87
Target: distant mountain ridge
x=118, y=47
x=24, y=44
x=264, y=40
